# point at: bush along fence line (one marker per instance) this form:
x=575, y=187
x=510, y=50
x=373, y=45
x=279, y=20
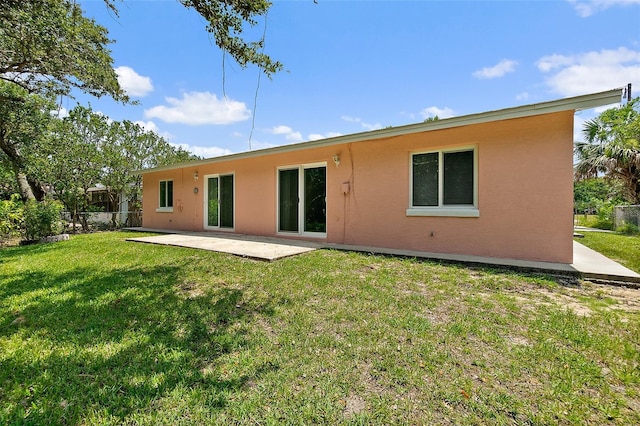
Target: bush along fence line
x=626, y=219
x=46, y=221
x=102, y=220
x=31, y=221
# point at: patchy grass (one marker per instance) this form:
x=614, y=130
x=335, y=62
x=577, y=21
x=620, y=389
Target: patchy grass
x=624, y=249
x=96, y=330
x=590, y=221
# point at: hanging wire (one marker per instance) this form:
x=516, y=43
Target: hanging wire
x=255, y=98
x=224, y=74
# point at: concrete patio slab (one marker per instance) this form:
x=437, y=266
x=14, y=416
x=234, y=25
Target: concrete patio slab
x=254, y=247
x=587, y=263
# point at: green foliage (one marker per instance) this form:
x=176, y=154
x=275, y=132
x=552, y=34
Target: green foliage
x=591, y=192
x=8, y=185
x=226, y=21
x=604, y=212
x=24, y=120
x=613, y=148
x=11, y=217
x=628, y=229
x=50, y=47
x=42, y=218
x=72, y=161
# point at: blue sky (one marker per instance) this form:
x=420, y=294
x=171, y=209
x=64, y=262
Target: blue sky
x=353, y=66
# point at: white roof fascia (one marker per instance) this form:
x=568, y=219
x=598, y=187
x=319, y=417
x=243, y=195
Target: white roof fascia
x=575, y=103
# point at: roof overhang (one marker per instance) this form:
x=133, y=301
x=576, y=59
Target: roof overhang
x=567, y=104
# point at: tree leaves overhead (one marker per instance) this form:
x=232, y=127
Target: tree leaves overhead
x=24, y=118
x=226, y=22
x=49, y=47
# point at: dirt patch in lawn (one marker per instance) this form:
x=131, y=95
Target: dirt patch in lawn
x=612, y=298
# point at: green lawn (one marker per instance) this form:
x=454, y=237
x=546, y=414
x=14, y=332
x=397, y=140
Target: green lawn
x=97, y=330
x=624, y=249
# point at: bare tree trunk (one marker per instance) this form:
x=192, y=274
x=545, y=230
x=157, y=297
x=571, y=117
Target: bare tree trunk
x=29, y=188
x=23, y=185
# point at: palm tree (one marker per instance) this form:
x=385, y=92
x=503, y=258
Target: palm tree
x=612, y=148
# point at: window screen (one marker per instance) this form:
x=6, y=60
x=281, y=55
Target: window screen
x=458, y=178
x=425, y=179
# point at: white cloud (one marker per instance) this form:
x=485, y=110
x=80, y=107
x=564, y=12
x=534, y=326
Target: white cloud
x=522, y=96
x=586, y=8
x=198, y=108
x=290, y=134
x=150, y=126
x=60, y=112
x=503, y=67
x=366, y=126
x=204, y=151
x=431, y=112
x=133, y=83
x=572, y=75
x=550, y=62
x=318, y=136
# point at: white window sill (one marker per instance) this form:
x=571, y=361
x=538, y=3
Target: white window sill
x=446, y=212
x=164, y=210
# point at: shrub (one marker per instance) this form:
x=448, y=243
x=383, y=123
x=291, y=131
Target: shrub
x=42, y=219
x=628, y=229
x=11, y=217
x=604, y=211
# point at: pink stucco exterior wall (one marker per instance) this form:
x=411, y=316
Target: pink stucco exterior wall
x=525, y=191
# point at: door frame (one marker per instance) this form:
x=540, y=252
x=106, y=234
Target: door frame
x=301, y=187
x=205, y=202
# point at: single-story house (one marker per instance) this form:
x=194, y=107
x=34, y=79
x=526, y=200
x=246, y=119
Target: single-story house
x=495, y=184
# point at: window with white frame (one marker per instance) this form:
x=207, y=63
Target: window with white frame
x=444, y=183
x=166, y=195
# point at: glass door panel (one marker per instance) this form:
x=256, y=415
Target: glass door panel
x=212, y=200
x=315, y=195
x=288, y=200
x=226, y=201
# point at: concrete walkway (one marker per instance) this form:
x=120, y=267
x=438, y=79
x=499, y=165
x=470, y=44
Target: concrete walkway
x=594, y=265
x=587, y=263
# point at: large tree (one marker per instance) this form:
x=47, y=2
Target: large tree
x=24, y=119
x=612, y=148
x=71, y=159
x=48, y=47
x=126, y=150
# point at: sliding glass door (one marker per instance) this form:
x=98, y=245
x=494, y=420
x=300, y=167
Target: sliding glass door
x=302, y=195
x=219, y=201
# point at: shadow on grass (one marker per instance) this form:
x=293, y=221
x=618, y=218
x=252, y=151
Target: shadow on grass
x=7, y=253
x=116, y=343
